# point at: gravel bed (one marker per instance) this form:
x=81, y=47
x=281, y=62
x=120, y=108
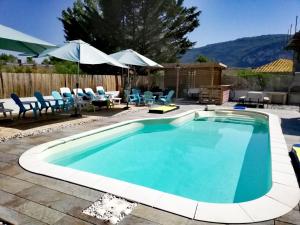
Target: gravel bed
x=60, y=126
x=110, y=208
x=50, y=128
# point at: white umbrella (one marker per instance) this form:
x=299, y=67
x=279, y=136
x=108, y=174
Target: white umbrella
x=82, y=53
x=130, y=57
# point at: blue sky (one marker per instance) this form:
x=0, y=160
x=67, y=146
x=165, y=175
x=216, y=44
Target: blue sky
x=221, y=20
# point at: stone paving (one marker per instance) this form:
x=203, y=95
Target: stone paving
x=31, y=199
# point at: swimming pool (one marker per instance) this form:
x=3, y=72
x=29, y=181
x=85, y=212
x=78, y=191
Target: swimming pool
x=198, y=160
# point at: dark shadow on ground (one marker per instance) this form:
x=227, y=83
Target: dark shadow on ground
x=104, y=112
x=29, y=122
x=291, y=126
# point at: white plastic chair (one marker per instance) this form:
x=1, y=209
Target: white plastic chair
x=65, y=90
x=77, y=90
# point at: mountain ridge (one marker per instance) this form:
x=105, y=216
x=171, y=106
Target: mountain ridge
x=243, y=52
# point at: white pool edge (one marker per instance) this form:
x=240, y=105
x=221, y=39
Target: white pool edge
x=283, y=196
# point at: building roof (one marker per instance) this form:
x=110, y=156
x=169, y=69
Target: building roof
x=277, y=66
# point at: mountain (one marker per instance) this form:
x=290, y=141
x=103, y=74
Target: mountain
x=243, y=52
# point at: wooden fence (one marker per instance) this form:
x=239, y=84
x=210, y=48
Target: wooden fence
x=25, y=84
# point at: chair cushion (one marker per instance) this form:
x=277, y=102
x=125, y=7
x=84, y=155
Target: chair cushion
x=101, y=92
x=296, y=147
x=67, y=95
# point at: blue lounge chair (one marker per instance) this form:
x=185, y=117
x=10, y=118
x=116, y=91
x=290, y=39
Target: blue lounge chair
x=69, y=98
x=132, y=98
x=149, y=99
x=44, y=103
x=92, y=95
x=22, y=106
x=166, y=99
x=136, y=96
x=61, y=103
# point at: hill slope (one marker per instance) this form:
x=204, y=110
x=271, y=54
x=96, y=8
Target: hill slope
x=243, y=52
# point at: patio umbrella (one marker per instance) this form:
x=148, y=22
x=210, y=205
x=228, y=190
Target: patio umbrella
x=130, y=57
x=133, y=58
x=14, y=40
x=82, y=53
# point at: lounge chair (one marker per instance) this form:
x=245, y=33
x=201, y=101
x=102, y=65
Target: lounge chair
x=167, y=99
x=44, y=103
x=114, y=96
x=22, y=106
x=82, y=96
x=137, y=95
x=295, y=157
x=4, y=110
x=149, y=99
x=100, y=91
x=100, y=88
x=132, y=98
x=60, y=103
x=67, y=94
x=65, y=91
x=90, y=90
x=77, y=91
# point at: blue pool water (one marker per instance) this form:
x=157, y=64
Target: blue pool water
x=221, y=160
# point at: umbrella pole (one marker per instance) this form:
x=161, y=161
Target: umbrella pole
x=76, y=114
x=127, y=103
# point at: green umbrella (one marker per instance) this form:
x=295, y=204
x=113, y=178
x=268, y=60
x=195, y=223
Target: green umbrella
x=14, y=40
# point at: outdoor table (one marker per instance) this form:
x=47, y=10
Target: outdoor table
x=275, y=94
x=35, y=107
x=193, y=92
x=255, y=95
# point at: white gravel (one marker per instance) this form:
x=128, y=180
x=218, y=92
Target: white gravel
x=110, y=208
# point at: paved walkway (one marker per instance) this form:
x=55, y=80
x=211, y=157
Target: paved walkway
x=27, y=198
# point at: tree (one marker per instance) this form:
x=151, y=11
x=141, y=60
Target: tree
x=202, y=58
x=7, y=58
x=156, y=28
x=30, y=60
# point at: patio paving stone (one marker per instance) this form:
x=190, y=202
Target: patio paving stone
x=293, y=217
x=6, y=197
x=281, y=223
x=69, y=220
x=129, y=220
x=196, y=222
x=53, y=199
x=8, y=158
x=158, y=216
x=77, y=212
x=17, y=218
x=12, y=185
x=15, y=202
x=12, y=170
x=3, y=165
x=40, y=212
x=62, y=186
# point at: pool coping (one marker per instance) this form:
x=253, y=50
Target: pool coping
x=283, y=196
